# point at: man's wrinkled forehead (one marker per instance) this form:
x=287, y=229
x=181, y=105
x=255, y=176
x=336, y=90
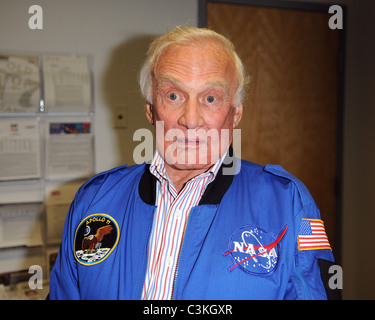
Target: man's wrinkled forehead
x=208, y=61
x=166, y=79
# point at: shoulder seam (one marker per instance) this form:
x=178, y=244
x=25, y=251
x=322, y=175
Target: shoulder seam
x=304, y=193
x=104, y=173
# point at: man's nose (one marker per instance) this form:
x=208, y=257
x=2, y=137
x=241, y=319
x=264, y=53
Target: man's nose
x=191, y=117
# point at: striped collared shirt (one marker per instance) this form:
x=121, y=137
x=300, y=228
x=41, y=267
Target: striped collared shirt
x=169, y=225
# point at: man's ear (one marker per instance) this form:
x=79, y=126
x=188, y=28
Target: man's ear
x=237, y=115
x=150, y=112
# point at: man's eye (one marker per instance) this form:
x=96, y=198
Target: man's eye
x=210, y=99
x=173, y=96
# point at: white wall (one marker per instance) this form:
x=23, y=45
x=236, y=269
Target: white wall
x=116, y=33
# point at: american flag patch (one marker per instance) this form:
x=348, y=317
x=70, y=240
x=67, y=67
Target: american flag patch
x=312, y=235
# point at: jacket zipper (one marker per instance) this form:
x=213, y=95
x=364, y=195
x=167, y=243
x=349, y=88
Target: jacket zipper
x=178, y=256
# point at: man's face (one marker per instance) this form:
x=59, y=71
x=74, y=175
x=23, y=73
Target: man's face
x=193, y=95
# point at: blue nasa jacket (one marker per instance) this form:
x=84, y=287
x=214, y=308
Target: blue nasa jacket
x=247, y=239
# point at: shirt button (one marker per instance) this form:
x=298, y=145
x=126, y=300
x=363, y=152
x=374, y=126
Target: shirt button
x=169, y=261
x=178, y=213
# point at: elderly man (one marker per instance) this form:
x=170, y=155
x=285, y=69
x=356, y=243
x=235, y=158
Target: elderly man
x=181, y=227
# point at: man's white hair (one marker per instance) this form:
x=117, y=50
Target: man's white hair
x=185, y=35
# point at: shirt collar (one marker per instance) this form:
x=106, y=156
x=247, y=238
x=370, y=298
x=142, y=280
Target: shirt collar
x=214, y=193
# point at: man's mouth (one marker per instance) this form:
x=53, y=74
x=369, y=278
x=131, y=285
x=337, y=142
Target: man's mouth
x=191, y=142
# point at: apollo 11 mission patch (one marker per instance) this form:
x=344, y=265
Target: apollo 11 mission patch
x=95, y=238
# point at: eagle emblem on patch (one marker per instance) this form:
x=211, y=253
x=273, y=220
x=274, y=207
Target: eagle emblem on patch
x=95, y=238
x=254, y=250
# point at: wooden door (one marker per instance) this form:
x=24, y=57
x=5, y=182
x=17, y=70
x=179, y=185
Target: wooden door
x=292, y=107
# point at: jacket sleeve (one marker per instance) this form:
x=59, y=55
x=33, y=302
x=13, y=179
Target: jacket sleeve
x=310, y=275
x=311, y=263
x=63, y=278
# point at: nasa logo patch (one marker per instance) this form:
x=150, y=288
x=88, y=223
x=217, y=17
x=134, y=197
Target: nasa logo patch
x=95, y=238
x=254, y=250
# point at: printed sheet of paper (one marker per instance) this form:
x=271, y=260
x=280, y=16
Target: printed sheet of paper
x=67, y=84
x=58, y=200
x=20, y=225
x=19, y=149
x=24, y=191
x=19, y=84
x=20, y=258
x=69, y=150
